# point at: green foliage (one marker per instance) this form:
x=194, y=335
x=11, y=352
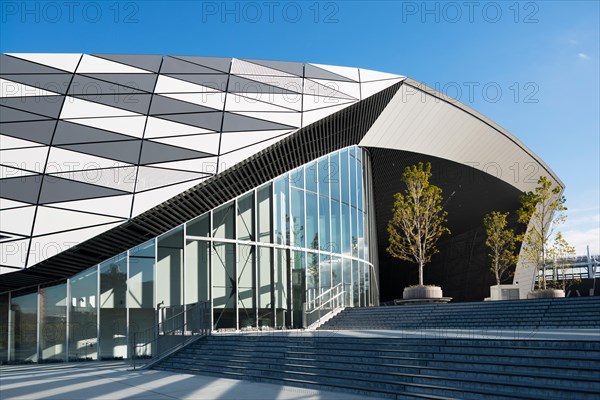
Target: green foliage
x=502, y=244
x=418, y=218
x=543, y=209
x=562, y=254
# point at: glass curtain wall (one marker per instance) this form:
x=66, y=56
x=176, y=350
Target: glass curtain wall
x=4, y=311
x=83, y=316
x=53, y=323
x=263, y=256
x=140, y=296
x=24, y=308
x=113, y=310
x=258, y=259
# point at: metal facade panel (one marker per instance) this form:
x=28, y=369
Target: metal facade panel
x=426, y=124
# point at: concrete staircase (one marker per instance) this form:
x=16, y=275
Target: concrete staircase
x=401, y=368
x=572, y=312
x=402, y=364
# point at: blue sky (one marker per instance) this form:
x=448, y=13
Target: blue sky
x=537, y=60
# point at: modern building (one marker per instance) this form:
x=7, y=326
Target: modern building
x=131, y=183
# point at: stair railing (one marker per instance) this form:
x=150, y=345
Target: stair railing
x=318, y=309
x=177, y=327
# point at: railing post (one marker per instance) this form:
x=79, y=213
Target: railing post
x=133, y=350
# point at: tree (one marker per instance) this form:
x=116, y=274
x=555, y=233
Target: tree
x=502, y=243
x=418, y=218
x=562, y=254
x=542, y=210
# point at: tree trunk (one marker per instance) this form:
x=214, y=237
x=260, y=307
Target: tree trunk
x=421, y=273
x=544, y=276
x=496, y=268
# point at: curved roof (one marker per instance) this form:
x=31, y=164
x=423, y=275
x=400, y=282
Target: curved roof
x=422, y=120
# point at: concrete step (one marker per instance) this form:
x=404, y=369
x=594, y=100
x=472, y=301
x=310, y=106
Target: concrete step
x=589, y=350
x=418, y=367
x=320, y=337
x=456, y=356
x=386, y=382
x=547, y=377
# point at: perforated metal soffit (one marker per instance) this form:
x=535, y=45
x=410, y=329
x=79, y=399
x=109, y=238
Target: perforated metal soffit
x=344, y=128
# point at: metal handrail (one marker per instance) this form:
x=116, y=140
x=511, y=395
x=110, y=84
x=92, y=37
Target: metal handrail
x=313, y=316
x=169, y=335
x=322, y=305
x=319, y=298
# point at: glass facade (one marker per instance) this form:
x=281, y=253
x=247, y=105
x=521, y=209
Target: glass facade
x=53, y=323
x=261, y=260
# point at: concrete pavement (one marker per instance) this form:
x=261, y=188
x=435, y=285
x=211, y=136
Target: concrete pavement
x=114, y=380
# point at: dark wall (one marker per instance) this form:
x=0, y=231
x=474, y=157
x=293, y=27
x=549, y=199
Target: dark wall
x=462, y=266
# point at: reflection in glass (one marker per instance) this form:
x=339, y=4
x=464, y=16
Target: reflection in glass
x=264, y=214
x=113, y=314
x=265, y=287
x=352, y=177
x=83, y=335
x=346, y=240
x=367, y=285
x=245, y=217
x=344, y=177
x=363, y=274
x=224, y=285
x=355, y=283
x=223, y=222
x=169, y=268
x=336, y=240
x=334, y=176
x=53, y=323
x=311, y=177
x=199, y=226
x=140, y=285
x=298, y=287
x=354, y=231
x=324, y=218
x=298, y=230
x=197, y=267
x=312, y=275
x=140, y=296
x=312, y=225
x=323, y=175
x=113, y=282
x=281, y=223
x=336, y=270
x=24, y=327
x=359, y=187
x=297, y=178
x=246, y=287
x=4, y=309
x=281, y=289
x=360, y=235
x=347, y=273
x=324, y=275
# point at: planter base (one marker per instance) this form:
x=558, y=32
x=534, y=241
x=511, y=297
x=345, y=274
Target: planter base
x=422, y=292
x=504, y=292
x=546, y=294
x=438, y=300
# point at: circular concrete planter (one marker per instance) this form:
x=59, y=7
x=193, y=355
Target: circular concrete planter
x=422, y=292
x=546, y=294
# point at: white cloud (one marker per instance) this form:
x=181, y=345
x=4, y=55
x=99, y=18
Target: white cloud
x=582, y=238
x=583, y=56
x=584, y=209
